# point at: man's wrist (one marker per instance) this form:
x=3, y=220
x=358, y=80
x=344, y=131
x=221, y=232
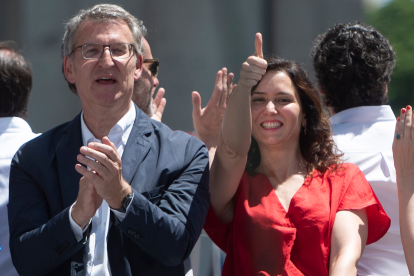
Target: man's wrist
x=118, y=201
x=77, y=217
x=77, y=230
x=125, y=203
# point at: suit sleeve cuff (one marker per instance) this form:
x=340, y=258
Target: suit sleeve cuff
x=76, y=229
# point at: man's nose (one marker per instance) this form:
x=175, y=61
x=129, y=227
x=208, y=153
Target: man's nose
x=156, y=82
x=106, y=60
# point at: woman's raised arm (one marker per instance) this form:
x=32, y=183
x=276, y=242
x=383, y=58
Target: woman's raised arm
x=235, y=135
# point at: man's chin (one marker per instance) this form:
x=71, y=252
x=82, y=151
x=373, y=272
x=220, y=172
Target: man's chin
x=146, y=108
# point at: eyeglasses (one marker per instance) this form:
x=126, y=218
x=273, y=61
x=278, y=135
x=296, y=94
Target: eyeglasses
x=95, y=51
x=154, y=66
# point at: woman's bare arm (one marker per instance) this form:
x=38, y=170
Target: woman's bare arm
x=403, y=149
x=234, y=139
x=349, y=236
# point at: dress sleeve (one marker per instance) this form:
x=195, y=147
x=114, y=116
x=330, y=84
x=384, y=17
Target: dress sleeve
x=222, y=234
x=359, y=195
x=219, y=233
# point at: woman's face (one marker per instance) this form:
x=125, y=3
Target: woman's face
x=276, y=111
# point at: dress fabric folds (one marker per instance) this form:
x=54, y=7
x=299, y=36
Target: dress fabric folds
x=265, y=239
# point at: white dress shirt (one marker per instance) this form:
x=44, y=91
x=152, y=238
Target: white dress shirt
x=97, y=263
x=365, y=135
x=14, y=132
x=206, y=258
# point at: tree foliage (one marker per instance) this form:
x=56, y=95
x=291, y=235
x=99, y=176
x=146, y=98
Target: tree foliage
x=396, y=22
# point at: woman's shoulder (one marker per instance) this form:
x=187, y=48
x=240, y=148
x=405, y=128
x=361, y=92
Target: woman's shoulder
x=342, y=170
x=342, y=174
x=350, y=167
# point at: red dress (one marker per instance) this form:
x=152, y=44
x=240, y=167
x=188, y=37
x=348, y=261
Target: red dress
x=264, y=239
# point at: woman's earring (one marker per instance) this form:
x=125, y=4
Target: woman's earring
x=304, y=129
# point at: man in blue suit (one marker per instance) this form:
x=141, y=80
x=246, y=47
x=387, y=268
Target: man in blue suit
x=111, y=192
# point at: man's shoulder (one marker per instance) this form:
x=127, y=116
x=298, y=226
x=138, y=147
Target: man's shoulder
x=179, y=143
x=49, y=136
x=374, y=137
x=173, y=136
x=47, y=142
x=364, y=129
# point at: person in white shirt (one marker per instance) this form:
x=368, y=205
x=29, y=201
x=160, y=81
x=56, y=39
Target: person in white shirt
x=15, y=87
x=111, y=192
x=207, y=258
x=353, y=63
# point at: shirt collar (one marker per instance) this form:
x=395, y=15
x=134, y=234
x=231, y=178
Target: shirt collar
x=13, y=124
x=364, y=114
x=119, y=133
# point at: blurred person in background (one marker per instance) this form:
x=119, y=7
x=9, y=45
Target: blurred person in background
x=15, y=86
x=207, y=258
x=145, y=86
x=207, y=121
x=353, y=63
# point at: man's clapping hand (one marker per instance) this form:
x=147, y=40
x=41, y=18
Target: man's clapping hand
x=103, y=180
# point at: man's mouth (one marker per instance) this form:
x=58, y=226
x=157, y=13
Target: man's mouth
x=106, y=80
x=271, y=125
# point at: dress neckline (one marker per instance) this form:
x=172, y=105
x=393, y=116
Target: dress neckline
x=306, y=182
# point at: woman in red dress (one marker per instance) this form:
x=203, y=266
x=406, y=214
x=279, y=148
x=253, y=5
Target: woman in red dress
x=281, y=202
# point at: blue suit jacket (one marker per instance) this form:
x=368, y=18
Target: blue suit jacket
x=168, y=171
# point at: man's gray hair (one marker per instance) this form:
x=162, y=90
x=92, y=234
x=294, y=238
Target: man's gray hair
x=101, y=13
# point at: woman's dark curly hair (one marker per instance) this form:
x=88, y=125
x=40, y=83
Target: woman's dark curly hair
x=353, y=63
x=316, y=144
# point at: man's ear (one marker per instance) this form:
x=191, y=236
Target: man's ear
x=68, y=69
x=138, y=67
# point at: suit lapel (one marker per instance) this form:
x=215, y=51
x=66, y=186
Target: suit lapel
x=137, y=146
x=66, y=153
x=136, y=149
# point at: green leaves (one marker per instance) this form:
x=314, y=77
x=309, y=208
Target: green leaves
x=396, y=22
